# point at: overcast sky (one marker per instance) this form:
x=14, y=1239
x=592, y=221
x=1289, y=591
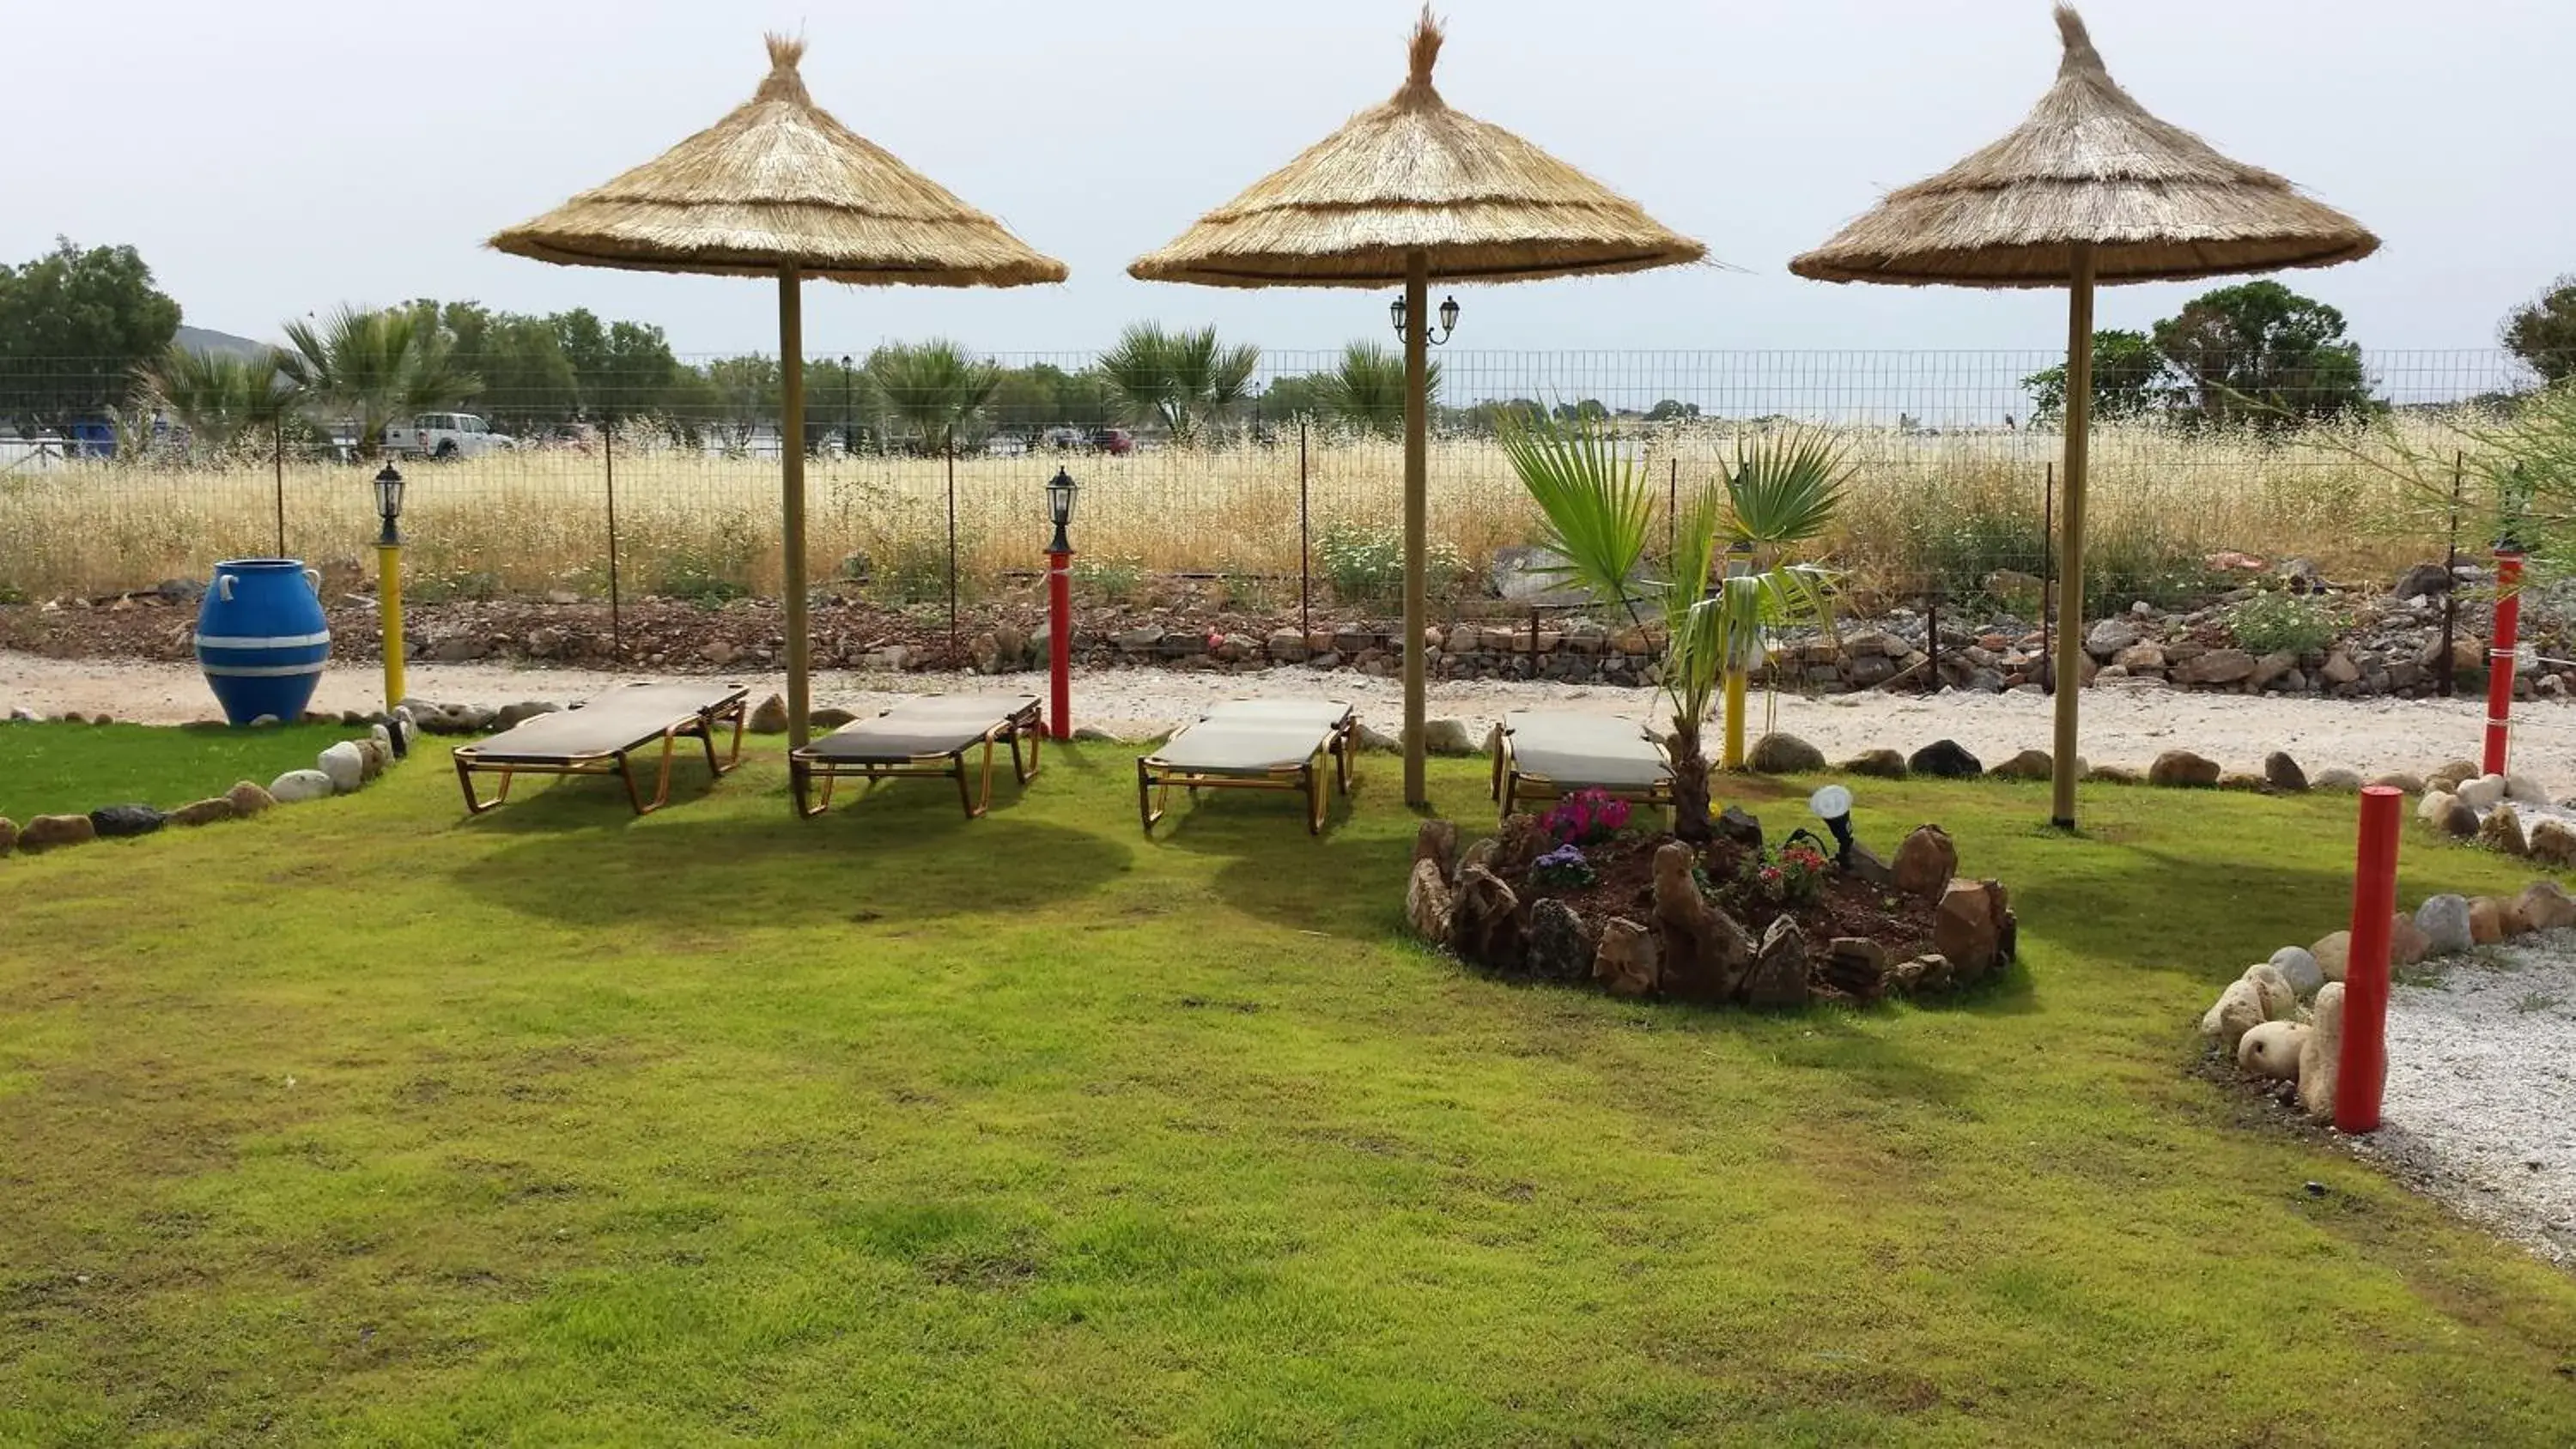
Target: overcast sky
x=294, y=154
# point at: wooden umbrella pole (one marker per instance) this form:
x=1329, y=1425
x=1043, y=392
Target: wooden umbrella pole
x=2070, y=579
x=791, y=452
x=1417, y=511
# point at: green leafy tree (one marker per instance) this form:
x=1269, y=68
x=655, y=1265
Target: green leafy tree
x=2130, y=380
x=74, y=326
x=1672, y=410
x=1183, y=380
x=218, y=397
x=2261, y=354
x=734, y=397
x=373, y=368
x=934, y=394
x=2542, y=332
x=1365, y=391
x=1305, y=395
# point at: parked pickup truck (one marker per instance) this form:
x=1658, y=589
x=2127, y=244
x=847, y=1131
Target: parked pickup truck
x=446, y=435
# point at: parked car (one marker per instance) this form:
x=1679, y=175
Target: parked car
x=1117, y=442
x=446, y=435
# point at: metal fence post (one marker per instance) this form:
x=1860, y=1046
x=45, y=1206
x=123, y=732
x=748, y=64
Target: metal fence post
x=1305, y=555
x=616, y=616
x=2047, y=573
x=953, y=654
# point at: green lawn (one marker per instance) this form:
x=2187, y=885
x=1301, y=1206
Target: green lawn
x=72, y=769
x=366, y=1123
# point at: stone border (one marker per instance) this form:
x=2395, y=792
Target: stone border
x=340, y=769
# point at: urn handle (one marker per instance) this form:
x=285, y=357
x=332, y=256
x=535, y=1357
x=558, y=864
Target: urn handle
x=313, y=581
x=224, y=587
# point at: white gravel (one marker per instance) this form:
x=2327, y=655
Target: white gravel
x=2481, y=1102
x=2128, y=724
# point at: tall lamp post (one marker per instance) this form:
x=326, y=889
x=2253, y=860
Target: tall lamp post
x=389, y=494
x=1060, y=491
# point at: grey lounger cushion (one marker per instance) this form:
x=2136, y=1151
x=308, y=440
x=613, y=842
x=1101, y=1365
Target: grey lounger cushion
x=620, y=719
x=1253, y=736
x=920, y=729
x=1576, y=750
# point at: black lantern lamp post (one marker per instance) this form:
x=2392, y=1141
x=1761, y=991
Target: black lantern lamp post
x=389, y=494
x=1448, y=320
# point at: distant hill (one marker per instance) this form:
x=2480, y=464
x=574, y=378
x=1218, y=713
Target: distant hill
x=220, y=344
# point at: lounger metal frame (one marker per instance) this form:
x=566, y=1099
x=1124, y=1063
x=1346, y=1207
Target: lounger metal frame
x=1026, y=723
x=1154, y=781
x=620, y=762
x=1512, y=784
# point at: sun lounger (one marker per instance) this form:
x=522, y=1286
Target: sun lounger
x=929, y=737
x=604, y=736
x=1543, y=756
x=1253, y=744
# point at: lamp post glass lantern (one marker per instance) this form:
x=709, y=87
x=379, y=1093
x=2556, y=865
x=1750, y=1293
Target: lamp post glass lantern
x=1448, y=320
x=1060, y=491
x=389, y=494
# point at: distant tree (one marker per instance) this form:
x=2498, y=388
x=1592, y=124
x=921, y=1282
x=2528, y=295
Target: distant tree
x=1303, y=395
x=217, y=397
x=74, y=326
x=1673, y=411
x=734, y=396
x=2262, y=354
x=1366, y=391
x=1590, y=410
x=1183, y=380
x=372, y=368
x=2542, y=332
x=934, y=393
x=2129, y=380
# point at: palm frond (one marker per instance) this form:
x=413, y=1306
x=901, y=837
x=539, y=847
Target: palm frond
x=1596, y=509
x=1784, y=489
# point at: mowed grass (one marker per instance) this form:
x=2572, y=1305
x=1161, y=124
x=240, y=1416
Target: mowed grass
x=367, y=1123
x=51, y=768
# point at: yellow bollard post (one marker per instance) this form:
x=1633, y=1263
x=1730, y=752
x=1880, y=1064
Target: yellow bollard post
x=1734, y=756
x=389, y=610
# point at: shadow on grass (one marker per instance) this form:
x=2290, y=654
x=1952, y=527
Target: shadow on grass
x=2161, y=909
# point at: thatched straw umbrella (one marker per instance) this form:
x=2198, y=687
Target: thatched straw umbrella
x=2089, y=190
x=1405, y=192
x=780, y=189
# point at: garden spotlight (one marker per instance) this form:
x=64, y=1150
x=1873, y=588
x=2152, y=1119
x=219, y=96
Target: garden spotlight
x=1833, y=805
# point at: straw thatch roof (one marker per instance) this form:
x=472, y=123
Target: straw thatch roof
x=1413, y=175
x=779, y=182
x=2089, y=166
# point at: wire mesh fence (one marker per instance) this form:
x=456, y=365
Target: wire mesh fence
x=1293, y=489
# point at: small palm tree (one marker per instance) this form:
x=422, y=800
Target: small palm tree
x=1781, y=495
x=376, y=368
x=1181, y=379
x=1366, y=391
x=933, y=391
x=1597, y=512
x=218, y=397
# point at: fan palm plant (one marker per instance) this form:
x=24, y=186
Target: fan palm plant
x=933, y=391
x=217, y=397
x=375, y=368
x=1596, y=509
x=1182, y=380
x=1366, y=391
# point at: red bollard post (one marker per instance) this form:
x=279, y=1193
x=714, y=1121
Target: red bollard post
x=2501, y=653
x=2361, y=1072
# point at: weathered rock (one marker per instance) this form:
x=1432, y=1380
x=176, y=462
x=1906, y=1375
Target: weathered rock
x=2421, y=580
x=1782, y=754
x=829, y=718
x=1865, y=865
x=1857, y=967
x=1437, y=841
x=2106, y=639
x=2241, y=781
x=344, y=765
x=509, y=715
x=2509, y=916
x=296, y=786
x=1483, y=852
x=203, y=812
x=2502, y=830
x=2028, y=765
x=2452, y=775
x=1426, y=902
x=2319, y=1054
x=2400, y=780
x=2272, y=1050
x=1973, y=927
x=1705, y=952
x=248, y=799
x=1923, y=975
x=1484, y=921
x=769, y=717
x=2183, y=769
x=1448, y=737
x=1876, y=765
x=1560, y=947
x=2483, y=793
x=2238, y=1011
x=2298, y=966
x=2280, y=1000
x=1288, y=646
x=2459, y=821
x=2486, y=920
x=2407, y=945
x=2218, y=666
x=1925, y=862
x=1628, y=961
x=2547, y=906
x=120, y=822
x=1779, y=977
x=8, y=835
x=2333, y=953
x=1945, y=760
x=2338, y=780
x=53, y=832
x=1376, y=741
x=2116, y=775
x=2524, y=790
x=2283, y=774
x=2444, y=920
x=1739, y=825
x=374, y=758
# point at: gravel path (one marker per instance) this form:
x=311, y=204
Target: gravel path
x=2125, y=725
x=2481, y=1104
